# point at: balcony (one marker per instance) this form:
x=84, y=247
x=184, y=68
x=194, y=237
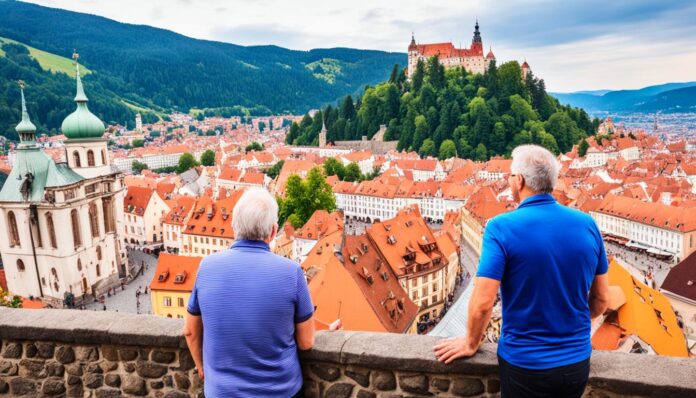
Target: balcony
x=77, y=353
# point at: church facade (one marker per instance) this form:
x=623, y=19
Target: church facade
x=60, y=222
x=472, y=58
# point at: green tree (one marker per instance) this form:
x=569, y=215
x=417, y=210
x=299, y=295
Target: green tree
x=138, y=167
x=333, y=167
x=138, y=143
x=304, y=197
x=427, y=148
x=208, y=158
x=274, y=170
x=253, y=147
x=418, y=76
x=422, y=131
x=548, y=141
x=583, y=147
x=186, y=162
x=353, y=172
x=262, y=126
x=394, y=74
x=447, y=150
x=481, y=153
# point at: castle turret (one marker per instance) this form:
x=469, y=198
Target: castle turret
x=412, y=56
x=525, y=69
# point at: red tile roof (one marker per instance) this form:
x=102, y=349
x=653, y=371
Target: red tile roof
x=175, y=273
x=136, y=200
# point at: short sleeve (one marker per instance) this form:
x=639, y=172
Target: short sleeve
x=304, y=309
x=602, y=263
x=492, y=261
x=193, y=307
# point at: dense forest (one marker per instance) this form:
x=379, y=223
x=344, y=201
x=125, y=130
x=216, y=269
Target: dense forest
x=446, y=112
x=159, y=69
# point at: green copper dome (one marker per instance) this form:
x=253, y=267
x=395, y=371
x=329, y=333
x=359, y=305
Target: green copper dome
x=82, y=123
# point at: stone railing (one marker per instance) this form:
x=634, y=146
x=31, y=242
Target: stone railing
x=104, y=354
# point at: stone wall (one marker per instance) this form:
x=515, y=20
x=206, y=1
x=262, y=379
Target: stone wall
x=104, y=354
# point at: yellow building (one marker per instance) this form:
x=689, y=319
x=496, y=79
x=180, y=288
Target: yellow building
x=172, y=284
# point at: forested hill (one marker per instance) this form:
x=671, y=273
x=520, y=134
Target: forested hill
x=162, y=70
x=443, y=113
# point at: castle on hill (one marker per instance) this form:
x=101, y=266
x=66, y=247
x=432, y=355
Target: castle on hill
x=472, y=58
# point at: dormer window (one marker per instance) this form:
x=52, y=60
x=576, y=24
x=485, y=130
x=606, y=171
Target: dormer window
x=180, y=278
x=163, y=276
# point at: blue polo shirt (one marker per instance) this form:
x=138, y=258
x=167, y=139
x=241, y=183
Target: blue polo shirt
x=250, y=300
x=546, y=257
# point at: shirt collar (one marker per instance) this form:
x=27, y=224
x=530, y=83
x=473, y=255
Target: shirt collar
x=253, y=244
x=538, y=199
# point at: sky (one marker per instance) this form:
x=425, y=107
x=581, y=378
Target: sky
x=572, y=45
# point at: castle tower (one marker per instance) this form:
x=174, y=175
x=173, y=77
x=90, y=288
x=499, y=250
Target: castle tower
x=322, y=134
x=412, y=56
x=490, y=58
x=85, y=147
x=476, y=42
x=525, y=69
x=138, y=122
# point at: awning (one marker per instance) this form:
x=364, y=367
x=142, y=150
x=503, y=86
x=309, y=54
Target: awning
x=659, y=252
x=637, y=245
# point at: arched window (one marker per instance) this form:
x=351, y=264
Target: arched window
x=103, y=157
x=79, y=264
x=51, y=230
x=107, y=210
x=99, y=253
x=14, y=232
x=90, y=158
x=75, y=219
x=98, y=270
x=94, y=219
x=20, y=266
x=76, y=159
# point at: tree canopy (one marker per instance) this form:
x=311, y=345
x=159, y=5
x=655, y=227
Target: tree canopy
x=186, y=162
x=305, y=196
x=208, y=158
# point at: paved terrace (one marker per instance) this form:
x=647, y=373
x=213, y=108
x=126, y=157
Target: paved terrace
x=105, y=354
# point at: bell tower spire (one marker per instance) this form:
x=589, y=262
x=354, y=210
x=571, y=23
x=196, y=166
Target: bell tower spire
x=25, y=129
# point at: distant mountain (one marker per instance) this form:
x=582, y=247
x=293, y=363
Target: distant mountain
x=669, y=97
x=161, y=70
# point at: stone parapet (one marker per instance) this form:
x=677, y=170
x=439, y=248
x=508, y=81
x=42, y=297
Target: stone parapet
x=105, y=354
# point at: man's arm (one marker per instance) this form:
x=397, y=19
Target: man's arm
x=304, y=334
x=193, y=331
x=599, y=295
x=480, y=308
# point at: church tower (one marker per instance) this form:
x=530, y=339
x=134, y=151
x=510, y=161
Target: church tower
x=412, y=56
x=85, y=147
x=322, y=134
x=476, y=42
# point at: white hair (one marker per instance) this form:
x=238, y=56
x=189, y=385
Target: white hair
x=537, y=165
x=255, y=215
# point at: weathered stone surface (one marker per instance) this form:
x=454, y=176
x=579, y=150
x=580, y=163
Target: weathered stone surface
x=53, y=386
x=185, y=361
x=168, y=381
x=65, y=354
x=157, y=384
x=467, y=387
x=440, y=384
x=22, y=386
x=54, y=368
x=163, y=356
x=384, y=380
x=30, y=350
x=129, y=367
x=75, y=390
x=176, y=394
x=144, y=354
x=93, y=380
x=417, y=383
x=366, y=394
x=339, y=390
x=4, y=387
x=112, y=380
x=107, y=393
x=127, y=354
x=32, y=368
x=72, y=380
x=74, y=369
x=8, y=368
x=493, y=386
x=182, y=381
x=109, y=352
x=12, y=350
x=150, y=370
x=311, y=389
x=326, y=372
x=93, y=368
x=108, y=366
x=360, y=375
x=133, y=384
x=45, y=349
x=88, y=354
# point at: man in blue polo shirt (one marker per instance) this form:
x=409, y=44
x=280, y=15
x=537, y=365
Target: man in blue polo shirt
x=250, y=311
x=549, y=263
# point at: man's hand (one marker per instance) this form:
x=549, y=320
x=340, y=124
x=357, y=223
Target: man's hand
x=336, y=325
x=200, y=373
x=448, y=350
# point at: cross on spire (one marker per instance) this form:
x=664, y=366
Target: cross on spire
x=75, y=55
x=20, y=83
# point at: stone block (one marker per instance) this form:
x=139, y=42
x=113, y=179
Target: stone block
x=32, y=368
x=65, y=354
x=360, y=375
x=8, y=368
x=13, y=351
x=185, y=361
x=93, y=380
x=127, y=354
x=181, y=381
x=150, y=370
x=93, y=368
x=163, y=356
x=176, y=394
x=45, y=349
x=493, y=386
x=366, y=394
x=54, y=368
x=72, y=380
x=108, y=366
x=417, y=383
x=339, y=390
x=107, y=393
x=168, y=381
x=311, y=389
x=87, y=354
x=30, y=350
x=467, y=387
x=157, y=384
x=22, y=386
x=4, y=387
x=74, y=369
x=325, y=371
x=109, y=352
x=134, y=385
x=383, y=380
x=129, y=367
x=112, y=380
x=76, y=390
x=440, y=384
x=53, y=386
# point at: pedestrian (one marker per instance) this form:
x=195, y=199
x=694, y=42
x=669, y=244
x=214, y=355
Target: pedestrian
x=104, y=307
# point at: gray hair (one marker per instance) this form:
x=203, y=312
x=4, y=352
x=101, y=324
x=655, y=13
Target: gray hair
x=255, y=215
x=537, y=165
